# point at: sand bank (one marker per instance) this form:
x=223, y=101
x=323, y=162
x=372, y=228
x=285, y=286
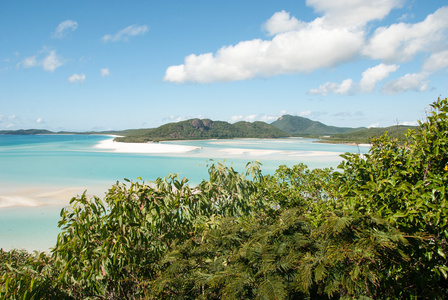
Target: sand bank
x=38, y=196
x=150, y=148
x=285, y=153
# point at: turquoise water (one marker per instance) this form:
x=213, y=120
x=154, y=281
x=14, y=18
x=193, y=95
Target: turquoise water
x=33, y=165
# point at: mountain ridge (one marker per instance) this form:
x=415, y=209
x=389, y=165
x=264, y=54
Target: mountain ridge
x=297, y=125
x=285, y=126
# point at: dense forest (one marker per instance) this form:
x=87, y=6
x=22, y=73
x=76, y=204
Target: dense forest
x=375, y=228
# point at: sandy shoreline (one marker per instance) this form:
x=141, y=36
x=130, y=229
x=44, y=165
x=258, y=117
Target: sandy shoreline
x=161, y=148
x=32, y=197
x=238, y=152
x=149, y=148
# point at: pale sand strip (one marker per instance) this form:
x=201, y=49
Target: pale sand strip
x=261, y=152
x=150, y=148
x=38, y=197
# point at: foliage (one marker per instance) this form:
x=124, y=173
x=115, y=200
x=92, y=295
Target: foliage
x=374, y=229
x=28, y=276
x=406, y=185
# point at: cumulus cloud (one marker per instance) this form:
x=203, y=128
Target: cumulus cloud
x=305, y=113
x=409, y=123
x=76, y=78
x=49, y=63
x=436, y=61
x=125, y=34
x=282, y=22
x=340, y=35
x=29, y=62
x=312, y=47
x=401, y=42
x=375, y=125
x=373, y=75
x=39, y=120
x=105, y=72
x=65, y=27
x=253, y=118
x=410, y=82
x=344, y=88
x=360, y=12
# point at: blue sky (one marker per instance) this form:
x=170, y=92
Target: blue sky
x=111, y=65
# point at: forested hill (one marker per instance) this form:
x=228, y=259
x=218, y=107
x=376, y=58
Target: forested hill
x=204, y=129
x=285, y=126
x=364, y=135
x=26, y=132
x=296, y=125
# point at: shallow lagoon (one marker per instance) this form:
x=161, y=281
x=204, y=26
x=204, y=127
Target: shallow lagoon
x=39, y=174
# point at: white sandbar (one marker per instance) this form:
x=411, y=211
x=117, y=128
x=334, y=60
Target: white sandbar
x=262, y=152
x=150, y=148
x=38, y=196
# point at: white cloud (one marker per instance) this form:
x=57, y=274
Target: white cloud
x=76, y=78
x=39, y=120
x=124, y=34
x=372, y=75
x=105, y=72
x=305, y=113
x=312, y=47
x=64, y=27
x=410, y=82
x=345, y=87
x=10, y=125
x=29, y=62
x=436, y=61
x=375, y=125
x=253, y=118
x=49, y=63
x=409, y=123
x=12, y=117
x=238, y=118
x=348, y=13
x=282, y=22
x=401, y=42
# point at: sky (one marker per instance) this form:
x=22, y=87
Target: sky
x=111, y=65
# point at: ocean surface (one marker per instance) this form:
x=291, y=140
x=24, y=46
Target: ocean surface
x=39, y=174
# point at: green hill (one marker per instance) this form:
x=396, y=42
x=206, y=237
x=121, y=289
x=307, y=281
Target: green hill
x=363, y=136
x=26, y=132
x=300, y=126
x=285, y=126
x=203, y=129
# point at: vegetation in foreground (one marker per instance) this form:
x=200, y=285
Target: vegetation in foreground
x=375, y=229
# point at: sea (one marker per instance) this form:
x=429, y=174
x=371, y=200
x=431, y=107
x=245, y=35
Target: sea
x=39, y=174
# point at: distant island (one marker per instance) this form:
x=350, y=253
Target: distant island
x=199, y=129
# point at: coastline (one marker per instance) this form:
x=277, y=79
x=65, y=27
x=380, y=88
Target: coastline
x=147, y=148
x=39, y=196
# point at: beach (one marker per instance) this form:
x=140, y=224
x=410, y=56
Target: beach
x=146, y=148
